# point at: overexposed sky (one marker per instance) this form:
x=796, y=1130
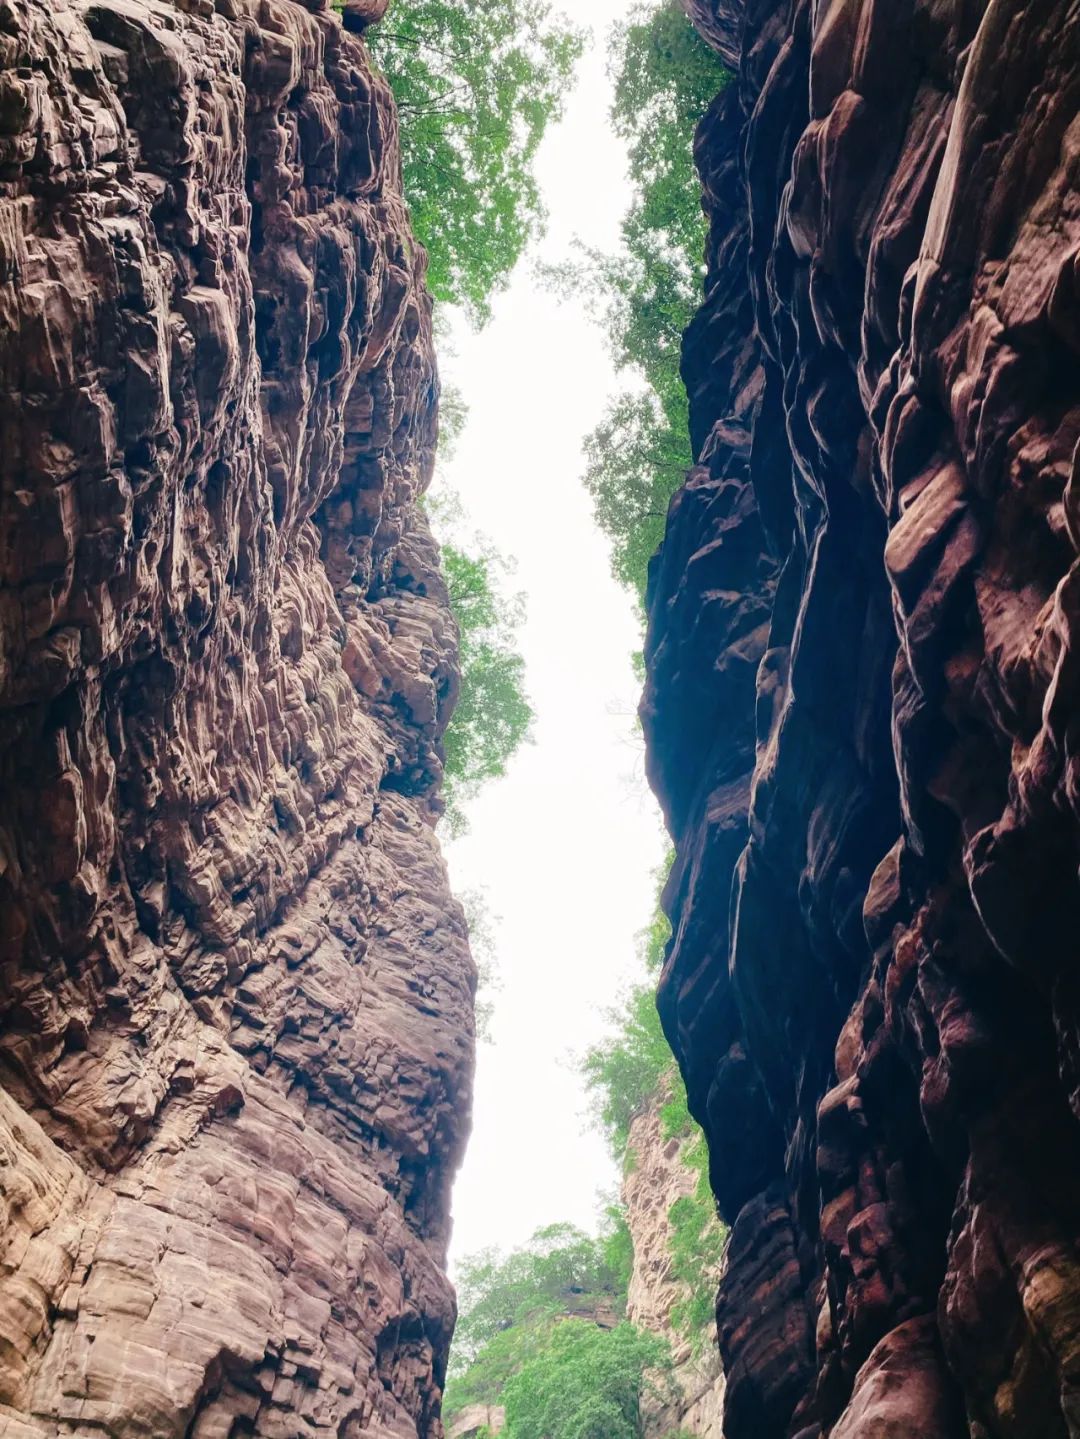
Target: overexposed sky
x=564, y=847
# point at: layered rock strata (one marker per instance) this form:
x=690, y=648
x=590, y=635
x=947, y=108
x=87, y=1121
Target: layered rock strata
x=861, y=714
x=235, y=994
x=656, y=1178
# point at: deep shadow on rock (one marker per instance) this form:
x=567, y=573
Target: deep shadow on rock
x=861, y=718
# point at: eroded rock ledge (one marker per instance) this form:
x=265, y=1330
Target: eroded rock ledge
x=235, y=994
x=862, y=717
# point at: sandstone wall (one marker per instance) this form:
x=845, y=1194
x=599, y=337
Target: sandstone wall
x=235, y=994
x=656, y=1177
x=478, y=1421
x=862, y=717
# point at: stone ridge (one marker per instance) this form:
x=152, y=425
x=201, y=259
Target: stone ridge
x=861, y=717
x=235, y=993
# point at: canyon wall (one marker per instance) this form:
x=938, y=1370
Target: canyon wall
x=656, y=1177
x=861, y=714
x=235, y=994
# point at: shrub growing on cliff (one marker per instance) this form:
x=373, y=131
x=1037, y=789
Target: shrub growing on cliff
x=627, y=1069
x=630, y=1070
x=697, y=1249
x=626, y=1073
x=481, y=925
x=541, y=1332
x=477, y=83
x=634, y=461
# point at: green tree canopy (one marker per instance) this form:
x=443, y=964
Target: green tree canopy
x=665, y=78
x=510, y=1304
x=585, y=1383
x=624, y=1074
x=645, y=294
x=561, y=1270
x=493, y=715
x=627, y=1070
x=482, y=942
x=477, y=82
x=697, y=1249
x=634, y=461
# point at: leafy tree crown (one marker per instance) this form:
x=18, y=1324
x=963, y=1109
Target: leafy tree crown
x=477, y=83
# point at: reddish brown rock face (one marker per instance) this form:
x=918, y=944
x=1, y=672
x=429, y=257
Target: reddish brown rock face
x=861, y=715
x=235, y=995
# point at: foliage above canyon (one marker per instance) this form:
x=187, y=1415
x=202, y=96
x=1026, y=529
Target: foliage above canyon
x=586, y=1382
x=543, y=1331
x=645, y=294
x=493, y=716
x=477, y=83
x=562, y=1270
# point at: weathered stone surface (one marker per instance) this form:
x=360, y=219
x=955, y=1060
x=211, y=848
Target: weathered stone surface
x=477, y=1420
x=359, y=14
x=655, y=1179
x=235, y=995
x=861, y=717
x=720, y=22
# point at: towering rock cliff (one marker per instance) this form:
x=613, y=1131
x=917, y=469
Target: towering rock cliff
x=862, y=716
x=235, y=994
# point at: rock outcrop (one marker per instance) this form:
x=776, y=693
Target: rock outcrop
x=657, y=1177
x=720, y=22
x=478, y=1421
x=235, y=994
x=861, y=714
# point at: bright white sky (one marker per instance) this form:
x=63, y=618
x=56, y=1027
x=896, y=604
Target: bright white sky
x=564, y=847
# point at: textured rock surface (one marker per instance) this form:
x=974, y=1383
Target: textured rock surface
x=720, y=22
x=655, y=1179
x=476, y=1421
x=861, y=716
x=235, y=995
